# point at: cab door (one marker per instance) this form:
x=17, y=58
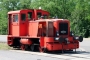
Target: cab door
x=15, y=24
x=23, y=23
x=25, y=17
x=50, y=28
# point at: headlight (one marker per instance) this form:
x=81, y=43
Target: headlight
x=71, y=33
x=57, y=33
x=76, y=38
x=57, y=38
x=79, y=38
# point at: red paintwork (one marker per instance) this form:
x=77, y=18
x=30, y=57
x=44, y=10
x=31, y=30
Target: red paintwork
x=54, y=46
x=26, y=41
x=58, y=46
x=51, y=44
x=10, y=40
x=42, y=41
x=21, y=28
x=33, y=26
x=30, y=29
x=61, y=20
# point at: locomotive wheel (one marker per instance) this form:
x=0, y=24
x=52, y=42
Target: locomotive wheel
x=40, y=49
x=43, y=50
x=24, y=47
x=32, y=47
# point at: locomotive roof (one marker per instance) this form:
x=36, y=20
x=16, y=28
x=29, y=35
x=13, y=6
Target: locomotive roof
x=42, y=20
x=14, y=12
x=18, y=11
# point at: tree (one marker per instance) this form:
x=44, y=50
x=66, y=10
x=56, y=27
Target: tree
x=77, y=11
x=79, y=21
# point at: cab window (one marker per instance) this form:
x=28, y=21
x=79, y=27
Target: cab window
x=15, y=18
x=23, y=17
x=29, y=15
x=45, y=16
x=39, y=14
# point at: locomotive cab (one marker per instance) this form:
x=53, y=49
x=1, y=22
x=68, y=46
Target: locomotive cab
x=18, y=20
x=18, y=23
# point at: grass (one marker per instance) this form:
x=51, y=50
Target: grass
x=4, y=46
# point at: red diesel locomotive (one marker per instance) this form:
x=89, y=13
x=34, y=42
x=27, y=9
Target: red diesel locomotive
x=31, y=29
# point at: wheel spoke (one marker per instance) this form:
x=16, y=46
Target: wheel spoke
x=23, y=47
x=44, y=50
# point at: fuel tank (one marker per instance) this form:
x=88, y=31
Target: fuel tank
x=26, y=41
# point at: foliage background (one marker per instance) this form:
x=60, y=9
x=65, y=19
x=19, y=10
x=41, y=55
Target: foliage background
x=77, y=11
